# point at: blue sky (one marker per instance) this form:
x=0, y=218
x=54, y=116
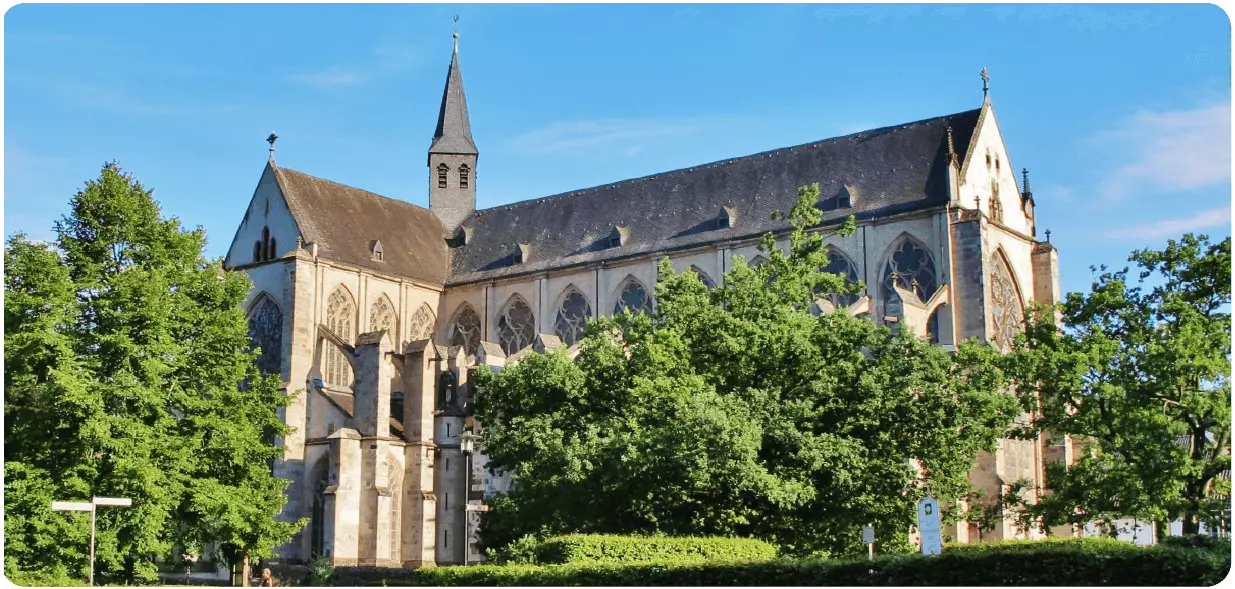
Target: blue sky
x=1121, y=113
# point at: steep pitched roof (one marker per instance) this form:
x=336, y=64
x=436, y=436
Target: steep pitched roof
x=885, y=171
x=454, y=130
x=344, y=222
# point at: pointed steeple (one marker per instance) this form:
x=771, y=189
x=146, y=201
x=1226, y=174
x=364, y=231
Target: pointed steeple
x=454, y=130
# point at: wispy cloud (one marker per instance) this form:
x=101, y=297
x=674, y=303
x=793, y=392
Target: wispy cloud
x=1171, y=151
x=1174, y=227
x=612, y=136
x=385, y=59
x=1084, y=18
x=871, y=13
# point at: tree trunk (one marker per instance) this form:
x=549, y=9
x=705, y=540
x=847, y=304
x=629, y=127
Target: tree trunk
x=1161, y=530
x=245, y=573
x=1190, y=524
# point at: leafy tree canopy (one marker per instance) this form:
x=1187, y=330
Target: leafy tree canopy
x=735, y=411
x=128, y=372
x=1138, y=370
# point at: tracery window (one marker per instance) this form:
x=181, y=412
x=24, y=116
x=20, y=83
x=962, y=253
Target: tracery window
x=442, y=170
x=465, y=330
x=703, y=277
x=266, y=333
x=382, y=317
x=421, y=326
x=910, y=263
x=633, y=297
x=463, y=173
x=838, y=263
x=1007, y=313
x=572, y=316
x=516, y=328
x=340, y=316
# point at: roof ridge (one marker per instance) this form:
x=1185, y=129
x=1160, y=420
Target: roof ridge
x=350, y=187
x=720, y=162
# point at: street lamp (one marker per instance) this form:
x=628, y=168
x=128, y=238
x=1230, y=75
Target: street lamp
x=92, y=506
x=467, y=445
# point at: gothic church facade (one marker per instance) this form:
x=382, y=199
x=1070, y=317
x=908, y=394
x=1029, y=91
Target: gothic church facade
x=376, y=311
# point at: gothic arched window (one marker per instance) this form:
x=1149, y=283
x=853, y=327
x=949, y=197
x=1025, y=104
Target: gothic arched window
x=703, y=277
x=421, y=326
x=839, y=263
x=340, y=317
x=633, y=297
x=266, y=333
x=516, y=328
x=257, y=251
x=756, y=261
x=571, y=317
x=442, y=170
x=1007, y=313
x=463, y=173
x=465, y=330
x=910, y=263
x=272, y=251
x=382, y=317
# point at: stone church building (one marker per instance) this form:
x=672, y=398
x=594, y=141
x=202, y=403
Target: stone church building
x=376, y=311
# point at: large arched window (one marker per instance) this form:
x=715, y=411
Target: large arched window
x=1007, y=311
x=266, y=333
x=382, y=317
x=421, y=325
x=913, y=268
x=572, y=316
x=633, y=297
x=516, y=328
x=394, y=483
x=465, y=329
x=703, y=277
x=839, y=263
x=340, y=318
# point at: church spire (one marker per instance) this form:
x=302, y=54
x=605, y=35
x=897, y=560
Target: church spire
x=454, y=130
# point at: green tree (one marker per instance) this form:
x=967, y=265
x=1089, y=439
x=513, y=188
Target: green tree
x=734, y=411
x=1138, y=370
x=128, y=372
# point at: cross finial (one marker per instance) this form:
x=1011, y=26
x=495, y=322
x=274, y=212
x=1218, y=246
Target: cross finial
x=456, y=33
x=986, y=78
x=271, y=139
x=1048, y=236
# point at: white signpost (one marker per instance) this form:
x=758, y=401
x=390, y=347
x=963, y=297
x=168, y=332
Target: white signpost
x=94, y=503
x=868, y=536
x=928, y=526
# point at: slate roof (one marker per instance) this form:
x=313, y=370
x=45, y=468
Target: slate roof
x=344, y=222
x=454, y=130
x=886, y=171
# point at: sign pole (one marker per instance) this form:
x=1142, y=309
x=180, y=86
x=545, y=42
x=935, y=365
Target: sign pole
x=868, y=536
x=92, y=511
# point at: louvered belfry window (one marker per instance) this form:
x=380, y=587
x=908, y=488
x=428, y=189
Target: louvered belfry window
x=463, y=175
x=442, y=171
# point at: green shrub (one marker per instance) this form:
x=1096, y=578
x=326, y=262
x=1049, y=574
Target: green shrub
x=521, y=551
x=321, y=572
x=580, y=548
x=1202, y=541
x=1054, y=563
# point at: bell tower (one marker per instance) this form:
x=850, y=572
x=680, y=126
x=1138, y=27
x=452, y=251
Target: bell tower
x=452, y=156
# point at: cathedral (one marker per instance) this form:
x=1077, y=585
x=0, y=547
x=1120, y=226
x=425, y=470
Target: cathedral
x=376, y=312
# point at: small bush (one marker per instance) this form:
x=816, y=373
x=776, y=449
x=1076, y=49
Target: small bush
x=321, y=572
x=1202, y=541
x=521, y=551
x=580, y=548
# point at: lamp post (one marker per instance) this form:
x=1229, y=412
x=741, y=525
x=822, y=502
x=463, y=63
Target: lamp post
x=467, y=444
x=92, y=506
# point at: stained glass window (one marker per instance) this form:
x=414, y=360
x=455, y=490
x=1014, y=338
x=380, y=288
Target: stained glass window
x=703, y=276
x=340, y=315
x=421, y=326
x=571, y=317
x=516, y=328
x=1007, y=314
x=838, y=263
x=465, y=330
x=266, y=333
x=382, y=317
x=633, y=297
x=909, y=263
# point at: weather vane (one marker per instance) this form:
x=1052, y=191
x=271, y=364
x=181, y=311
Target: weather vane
x=271, y=139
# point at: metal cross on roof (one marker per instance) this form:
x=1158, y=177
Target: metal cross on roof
x=986, y=78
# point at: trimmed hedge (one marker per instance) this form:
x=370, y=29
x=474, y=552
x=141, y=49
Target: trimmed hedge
x=1068, y=562
x=584, y=548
